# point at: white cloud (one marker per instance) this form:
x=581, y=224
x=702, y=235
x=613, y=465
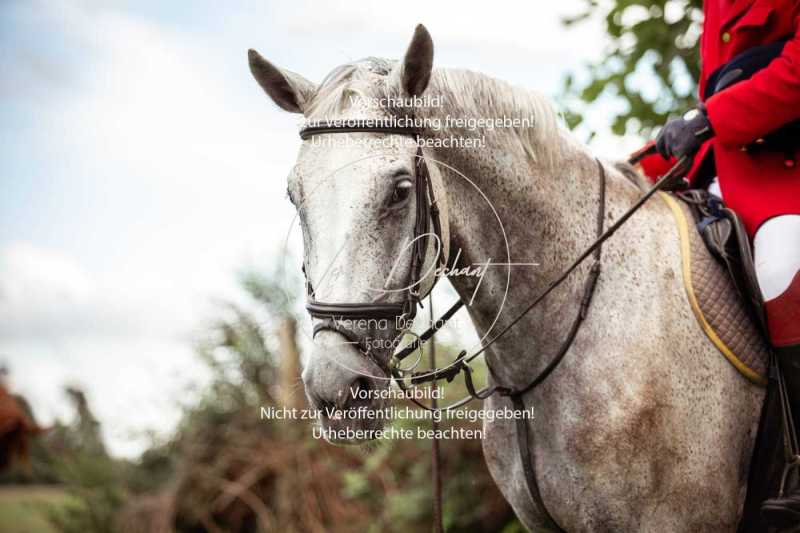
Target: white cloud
x=532, y=27
x=46, y=295
x=41, y=272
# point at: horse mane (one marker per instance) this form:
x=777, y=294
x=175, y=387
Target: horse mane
x=473, y=94
x=633, y=175
x=465, y=94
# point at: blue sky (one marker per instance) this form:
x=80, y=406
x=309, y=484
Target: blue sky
x=142, y=168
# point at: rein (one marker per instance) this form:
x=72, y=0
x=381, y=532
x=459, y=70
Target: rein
x=428, y=213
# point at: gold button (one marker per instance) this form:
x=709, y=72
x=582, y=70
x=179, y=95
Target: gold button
x=726, y=37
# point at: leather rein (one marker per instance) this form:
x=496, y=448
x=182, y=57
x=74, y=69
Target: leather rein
x=427, y=214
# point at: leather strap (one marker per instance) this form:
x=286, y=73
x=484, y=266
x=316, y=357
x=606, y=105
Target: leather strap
x=385, y=126
x=354, y=310
x=527, y=450
x=526, y=447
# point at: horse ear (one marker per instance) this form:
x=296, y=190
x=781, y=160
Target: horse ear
x=289, y=90
x=414, y=73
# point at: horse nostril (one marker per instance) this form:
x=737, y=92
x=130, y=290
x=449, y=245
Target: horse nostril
x=358, y=393
x=359, y=384
x=328, y=409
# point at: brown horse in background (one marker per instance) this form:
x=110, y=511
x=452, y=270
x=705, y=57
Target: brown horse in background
x=16, y=430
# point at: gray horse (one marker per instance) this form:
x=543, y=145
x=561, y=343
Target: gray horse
x=643, y=426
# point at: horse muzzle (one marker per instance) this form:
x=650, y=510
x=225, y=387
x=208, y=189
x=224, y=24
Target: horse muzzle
x=340, y=384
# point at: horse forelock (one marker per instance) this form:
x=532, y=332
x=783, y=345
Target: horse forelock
x=364, y=79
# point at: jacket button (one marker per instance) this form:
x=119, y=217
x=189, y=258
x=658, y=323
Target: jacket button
x=726, y=37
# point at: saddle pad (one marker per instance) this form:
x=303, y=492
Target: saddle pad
x=715, y=302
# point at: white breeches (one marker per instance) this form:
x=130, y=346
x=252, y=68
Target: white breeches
x=776, y=250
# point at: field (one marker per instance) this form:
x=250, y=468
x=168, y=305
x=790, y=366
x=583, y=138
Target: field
x=24, y=508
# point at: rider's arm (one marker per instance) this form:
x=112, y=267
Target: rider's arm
x=755, y=107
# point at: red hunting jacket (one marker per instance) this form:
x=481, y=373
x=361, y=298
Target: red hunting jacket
x=760, y=185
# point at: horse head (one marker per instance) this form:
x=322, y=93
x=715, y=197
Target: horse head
x=359, y=198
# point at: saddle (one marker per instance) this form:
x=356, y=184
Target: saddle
x=725, y=297
x=721, y=285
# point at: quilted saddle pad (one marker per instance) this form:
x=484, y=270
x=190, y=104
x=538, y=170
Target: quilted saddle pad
x=716, y=304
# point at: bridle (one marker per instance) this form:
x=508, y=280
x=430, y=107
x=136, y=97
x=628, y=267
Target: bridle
x=427, y=213
x=330, y=315
x=427, y=217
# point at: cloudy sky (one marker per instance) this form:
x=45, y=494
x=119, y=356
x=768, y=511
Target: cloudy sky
x=142, y=168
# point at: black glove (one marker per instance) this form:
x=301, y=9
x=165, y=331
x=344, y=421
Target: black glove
x=683, y=136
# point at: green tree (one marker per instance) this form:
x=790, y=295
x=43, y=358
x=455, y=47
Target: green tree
x=651, y=63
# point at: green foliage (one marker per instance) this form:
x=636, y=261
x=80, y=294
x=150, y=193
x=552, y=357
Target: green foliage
x=26, y=508
x=71, y=484
x=96, y=482
x=154, y=469
x=651, y=64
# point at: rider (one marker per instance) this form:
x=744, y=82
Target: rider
x=756, y=177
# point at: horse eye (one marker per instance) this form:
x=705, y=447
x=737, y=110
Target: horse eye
x=401, y=191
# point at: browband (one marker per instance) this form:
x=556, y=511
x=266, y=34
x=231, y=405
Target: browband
x=358, y=126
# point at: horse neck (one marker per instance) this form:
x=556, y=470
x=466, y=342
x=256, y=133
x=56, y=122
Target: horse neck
x=547, y=200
